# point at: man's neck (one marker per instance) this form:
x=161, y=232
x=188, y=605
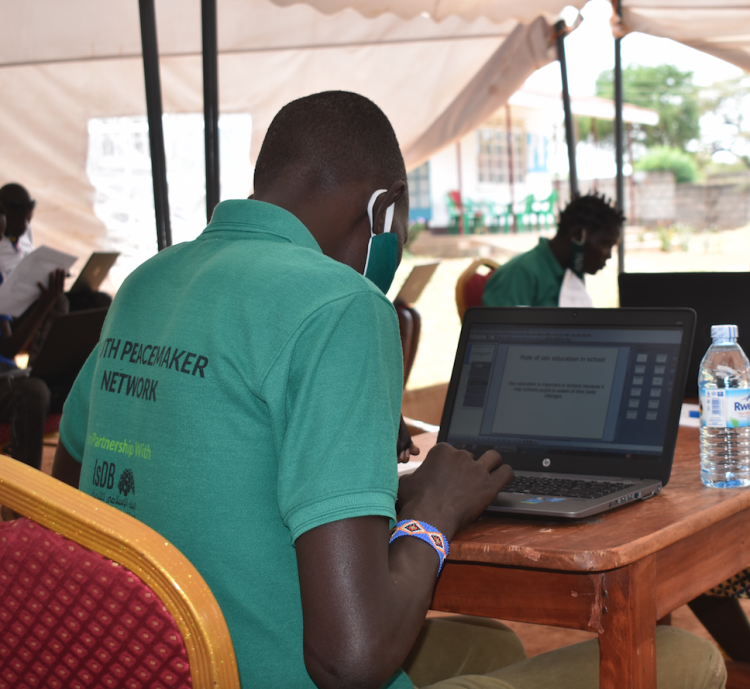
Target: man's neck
x=560, y=248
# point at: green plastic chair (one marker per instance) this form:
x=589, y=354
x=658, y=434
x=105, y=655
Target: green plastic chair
x=455, y=211
x=474, y=212
x=526, y=213
x=544, y=210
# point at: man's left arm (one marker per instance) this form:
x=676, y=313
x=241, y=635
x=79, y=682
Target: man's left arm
x=74, y=425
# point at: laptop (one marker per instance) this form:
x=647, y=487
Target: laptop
x=412, y=289
x=94, y=272
x=68, y=344
x=716, y=298
x=584, y=404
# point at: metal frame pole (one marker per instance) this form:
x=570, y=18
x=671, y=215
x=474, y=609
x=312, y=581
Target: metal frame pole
x=210, y=103
x=570, y=137
x=511, y=179
x=155, y=128
x=619, y=148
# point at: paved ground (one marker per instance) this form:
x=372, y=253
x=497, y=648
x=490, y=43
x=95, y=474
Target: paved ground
x=708, y=251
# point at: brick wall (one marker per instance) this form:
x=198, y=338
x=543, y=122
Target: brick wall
x=722, y=206
x=659, y=201
x=654, y=196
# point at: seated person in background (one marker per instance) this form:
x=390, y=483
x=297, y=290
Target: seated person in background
x=24, y=402
x=19, y=241
x=19, y=237
x=277, y=419
x=551, y=274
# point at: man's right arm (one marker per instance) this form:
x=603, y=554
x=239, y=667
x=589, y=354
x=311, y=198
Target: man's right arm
x=364, y=601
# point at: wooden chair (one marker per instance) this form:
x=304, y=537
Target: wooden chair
x=90, y=596
x=410, y=328
x=470, y=285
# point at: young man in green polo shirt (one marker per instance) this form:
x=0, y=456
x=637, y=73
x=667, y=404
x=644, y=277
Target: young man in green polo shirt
x=588, y=230
x=244, y=401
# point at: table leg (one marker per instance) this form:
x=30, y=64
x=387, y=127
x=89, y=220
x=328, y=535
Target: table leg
x=628, y=623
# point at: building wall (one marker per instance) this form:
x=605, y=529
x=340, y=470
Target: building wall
x=721, y=206
x=444, y=167
x=659, y=201
x=653, y=195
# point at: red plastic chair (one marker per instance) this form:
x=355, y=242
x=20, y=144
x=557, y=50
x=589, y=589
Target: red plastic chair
x=471, y=283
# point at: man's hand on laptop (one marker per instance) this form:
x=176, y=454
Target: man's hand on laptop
x=451, y=489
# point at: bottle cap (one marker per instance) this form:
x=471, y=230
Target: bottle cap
x=724, y=332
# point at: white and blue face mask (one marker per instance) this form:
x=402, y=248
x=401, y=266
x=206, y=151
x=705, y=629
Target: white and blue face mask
x=382, y=251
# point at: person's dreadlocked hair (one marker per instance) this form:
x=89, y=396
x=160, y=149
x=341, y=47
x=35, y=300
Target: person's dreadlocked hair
x=593, y=211
x=330, y=138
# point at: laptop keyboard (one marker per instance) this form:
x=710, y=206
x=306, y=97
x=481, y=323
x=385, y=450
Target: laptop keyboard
x=563, y=487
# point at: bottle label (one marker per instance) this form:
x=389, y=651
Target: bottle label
x=728, y=408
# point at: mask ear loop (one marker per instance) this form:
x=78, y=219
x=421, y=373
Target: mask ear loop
x=388, y=222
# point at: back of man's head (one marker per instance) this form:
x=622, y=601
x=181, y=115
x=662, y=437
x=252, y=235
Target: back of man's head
x=14, y=195
x=327, y=140
x=592, y=212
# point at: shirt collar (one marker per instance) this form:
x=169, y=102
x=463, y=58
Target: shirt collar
x=258, y=217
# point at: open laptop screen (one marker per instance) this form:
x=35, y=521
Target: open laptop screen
x=591, y=391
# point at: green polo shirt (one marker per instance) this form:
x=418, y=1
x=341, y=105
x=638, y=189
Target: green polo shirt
x=246, y=389
x=530, y=279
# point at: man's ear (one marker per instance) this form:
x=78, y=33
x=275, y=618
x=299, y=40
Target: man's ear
x=392, y=194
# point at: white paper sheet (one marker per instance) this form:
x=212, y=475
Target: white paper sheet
x=573, y=292
x=20, y=289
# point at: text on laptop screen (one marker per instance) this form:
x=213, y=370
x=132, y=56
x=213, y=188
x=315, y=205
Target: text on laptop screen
x=597, y=390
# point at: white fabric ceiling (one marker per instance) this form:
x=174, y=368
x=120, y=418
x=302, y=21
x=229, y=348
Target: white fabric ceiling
x=721, y=28
x=65, y=63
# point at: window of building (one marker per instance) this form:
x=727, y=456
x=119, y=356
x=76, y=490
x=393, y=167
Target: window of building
x=536, y=153
x=492, y=145
x=420, y=206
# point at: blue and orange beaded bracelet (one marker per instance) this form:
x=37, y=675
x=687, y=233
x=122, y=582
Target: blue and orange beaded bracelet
x=429, y=534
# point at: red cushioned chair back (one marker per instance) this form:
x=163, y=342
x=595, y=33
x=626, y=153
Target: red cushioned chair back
x=475, y=289
x=72, y=619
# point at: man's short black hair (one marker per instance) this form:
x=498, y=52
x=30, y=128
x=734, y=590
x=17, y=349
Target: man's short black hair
x=14, y=196
x=333, y=138
x=592, y=211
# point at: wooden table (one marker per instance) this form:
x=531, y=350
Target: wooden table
x=614, y=574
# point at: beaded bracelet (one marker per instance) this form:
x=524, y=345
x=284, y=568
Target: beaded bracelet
x=429, y=534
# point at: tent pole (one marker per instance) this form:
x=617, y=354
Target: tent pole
x=619, y=152
x=570, y=137
x=155, y=129
x=210, y=103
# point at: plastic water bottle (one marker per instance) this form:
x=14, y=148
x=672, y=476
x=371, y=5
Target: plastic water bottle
x=724, y=389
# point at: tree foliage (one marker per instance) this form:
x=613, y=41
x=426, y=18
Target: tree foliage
x=726, y=104
x=674, y=159
x=665, y=89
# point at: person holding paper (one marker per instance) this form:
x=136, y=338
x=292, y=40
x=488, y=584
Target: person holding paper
x=552, y=273
x=18, y=243
x=18, y=240
x=24, y=401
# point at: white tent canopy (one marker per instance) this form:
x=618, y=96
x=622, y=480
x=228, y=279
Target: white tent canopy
x=721, y=28
x=64, y=63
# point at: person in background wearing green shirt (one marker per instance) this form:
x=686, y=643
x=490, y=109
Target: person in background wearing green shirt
x=244, y=401
x=551, y=274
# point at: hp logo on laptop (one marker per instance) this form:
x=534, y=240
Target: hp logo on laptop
x=546, y=462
